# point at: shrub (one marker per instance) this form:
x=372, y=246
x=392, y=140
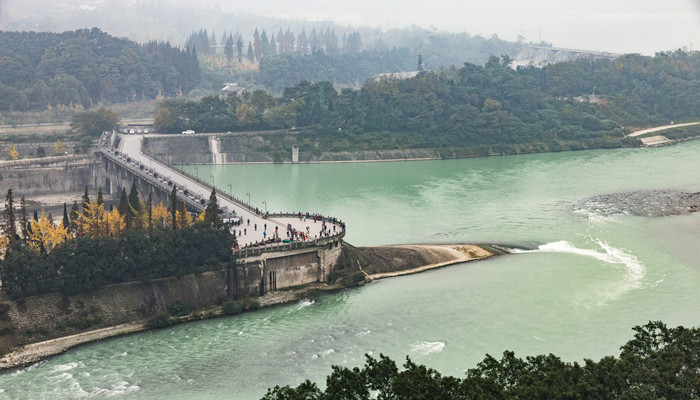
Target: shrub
x=231, y=307
x=161, y=320
x=84, y=322
x=352, y=279
x=253, y=305
x=179, y=309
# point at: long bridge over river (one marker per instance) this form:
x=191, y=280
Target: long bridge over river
x=273, y=251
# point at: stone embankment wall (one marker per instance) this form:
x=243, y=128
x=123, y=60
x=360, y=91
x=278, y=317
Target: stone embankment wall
x=47, y=176
x=48, y=316
x=26, y=150
x=44, y=317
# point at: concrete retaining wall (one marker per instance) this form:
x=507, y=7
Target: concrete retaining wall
x=40, y=177
x=237, y=149
x=26, y=150
x=48, y=316
x=39, y=318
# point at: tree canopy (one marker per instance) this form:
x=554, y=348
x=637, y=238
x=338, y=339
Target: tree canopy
x=93, y=123
x=85, y=67
x=473, y=110
x=93, y=247
x=659, y=363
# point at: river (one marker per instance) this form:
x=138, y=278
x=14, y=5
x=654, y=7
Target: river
x=586, y=272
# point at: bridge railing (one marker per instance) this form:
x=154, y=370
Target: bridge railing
x=220, y=193
x=271, y=246
x=151, y=179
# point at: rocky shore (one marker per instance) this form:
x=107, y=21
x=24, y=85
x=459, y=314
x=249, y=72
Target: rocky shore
x=373, y=262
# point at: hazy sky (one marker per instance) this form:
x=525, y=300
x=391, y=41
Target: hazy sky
x=643, y=26
x=629, y=26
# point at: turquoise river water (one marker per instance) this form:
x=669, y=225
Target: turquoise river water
x=593, y=271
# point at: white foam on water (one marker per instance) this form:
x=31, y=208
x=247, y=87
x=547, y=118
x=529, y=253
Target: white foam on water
x=118, y=389
x=306, y=303
x=594, y=216
x=425, y=348
x=327, y=352
x=635, y=270
x=301, y=305
x=64, y=367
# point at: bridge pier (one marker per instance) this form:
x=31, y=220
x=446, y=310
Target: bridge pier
x=113, y=177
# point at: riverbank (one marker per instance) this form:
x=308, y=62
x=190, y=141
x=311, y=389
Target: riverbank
x=374, y=262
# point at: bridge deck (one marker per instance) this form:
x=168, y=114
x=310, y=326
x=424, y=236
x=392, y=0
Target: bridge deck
x=254, y=229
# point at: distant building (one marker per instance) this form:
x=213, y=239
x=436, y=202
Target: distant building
x=401, y=75
x=396, y=75
x=234, y=88
x=540, y=56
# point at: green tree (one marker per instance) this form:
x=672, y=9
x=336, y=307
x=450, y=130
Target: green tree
x=65, y=223
x=24, y=219
x=246, y=115
x=211, y=212
x=134, y=208
x=93, y=123
x=228, y=49
x=74, y=215
x=163, y=119
x=10, y=227
x=86, y=199
x=149, y=208
x=100, y=199
x=239, y=50
x=251, y=55
x=173, y=208
x=123, y=205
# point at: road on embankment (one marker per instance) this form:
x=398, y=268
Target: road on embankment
x=660, y=128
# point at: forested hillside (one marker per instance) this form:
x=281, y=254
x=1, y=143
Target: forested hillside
x=82, y=68
x=273, y=61
x=479, y=109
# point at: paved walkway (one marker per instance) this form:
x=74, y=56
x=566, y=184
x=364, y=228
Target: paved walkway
x=660, y=128
x=251, y=232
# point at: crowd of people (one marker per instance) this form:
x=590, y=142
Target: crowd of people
x=328, y=228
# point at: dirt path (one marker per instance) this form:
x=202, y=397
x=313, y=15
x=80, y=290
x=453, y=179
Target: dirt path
x=660, y=128
x=35, y=352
